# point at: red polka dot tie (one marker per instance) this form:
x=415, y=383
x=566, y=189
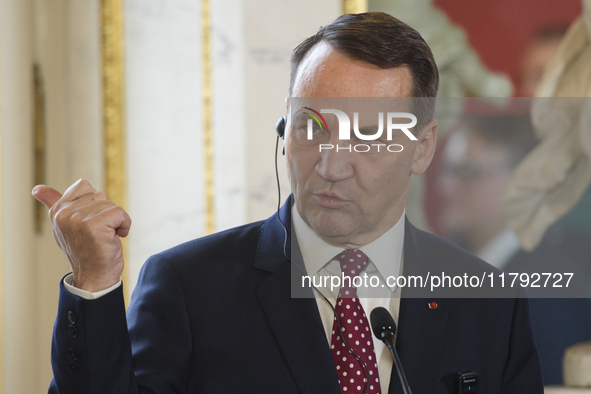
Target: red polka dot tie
x=354, y=329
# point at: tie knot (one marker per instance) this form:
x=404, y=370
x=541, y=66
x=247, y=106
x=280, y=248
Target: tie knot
x=353, y=262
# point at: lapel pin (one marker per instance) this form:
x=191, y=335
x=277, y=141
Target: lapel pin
x=432, y=305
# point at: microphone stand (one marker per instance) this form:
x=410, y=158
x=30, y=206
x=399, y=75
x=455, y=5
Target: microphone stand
x=388, y=339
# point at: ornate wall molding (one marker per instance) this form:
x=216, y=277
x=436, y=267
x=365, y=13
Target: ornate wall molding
x=39, y=142
x=354, y=6
x=1, y=303
x=208, y=147
x=113, y=103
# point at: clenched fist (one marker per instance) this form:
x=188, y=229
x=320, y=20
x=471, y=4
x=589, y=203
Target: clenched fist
x=87, y=226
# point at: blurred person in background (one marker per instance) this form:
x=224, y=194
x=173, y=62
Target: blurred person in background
x=478, y=162
x=541, y=48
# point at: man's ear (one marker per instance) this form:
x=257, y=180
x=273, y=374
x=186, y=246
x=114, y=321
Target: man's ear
x=286, y=120
x=427, y=140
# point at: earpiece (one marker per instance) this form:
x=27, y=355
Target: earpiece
x=280, y=127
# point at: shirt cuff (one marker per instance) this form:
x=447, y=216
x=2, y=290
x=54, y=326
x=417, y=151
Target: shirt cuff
x=87, y=295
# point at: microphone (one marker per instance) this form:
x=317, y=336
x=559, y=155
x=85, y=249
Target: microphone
x=384, y=329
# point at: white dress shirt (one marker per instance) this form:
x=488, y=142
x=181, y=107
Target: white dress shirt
x=87, y=295
x=498, y=251
x=385, y=259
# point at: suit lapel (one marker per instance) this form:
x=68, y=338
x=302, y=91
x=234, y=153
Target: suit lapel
x=421, y=330
x=295, y=322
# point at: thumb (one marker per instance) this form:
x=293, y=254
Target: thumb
x=46, y=195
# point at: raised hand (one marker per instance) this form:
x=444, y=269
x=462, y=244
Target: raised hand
x=87, y=226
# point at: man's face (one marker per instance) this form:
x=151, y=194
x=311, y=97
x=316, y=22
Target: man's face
x=350, y=198
x=474, y=176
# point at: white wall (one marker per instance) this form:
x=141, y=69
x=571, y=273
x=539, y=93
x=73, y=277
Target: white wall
x=229, y=112
x=19, y=340
x=164, y=126
x=64, y=38
x=67, y=48
x=251, y=44
x=272, y=30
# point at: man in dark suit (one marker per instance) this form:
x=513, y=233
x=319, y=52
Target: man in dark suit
x=488, y=146
x=558, y=323
x=216, y=315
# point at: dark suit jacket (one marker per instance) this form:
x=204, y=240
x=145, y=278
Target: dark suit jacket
x=215, y=315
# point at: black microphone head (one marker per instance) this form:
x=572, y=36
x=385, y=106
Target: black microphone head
x=381, y=321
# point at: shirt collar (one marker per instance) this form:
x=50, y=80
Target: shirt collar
x=498, y=251
x=385, y=252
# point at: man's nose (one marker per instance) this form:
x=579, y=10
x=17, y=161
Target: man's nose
x=338, y=163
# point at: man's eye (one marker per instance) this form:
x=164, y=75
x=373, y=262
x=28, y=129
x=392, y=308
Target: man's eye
x=364, y=132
